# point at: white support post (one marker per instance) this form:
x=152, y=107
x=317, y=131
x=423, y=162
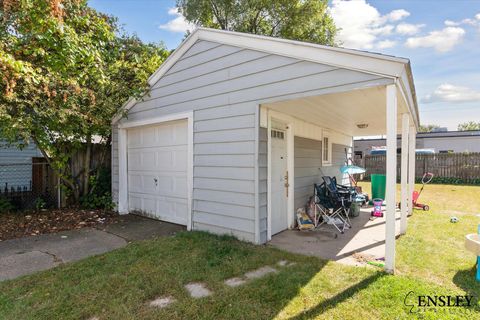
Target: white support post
x=412, y=140
x=122, y=174
x=391, y=183
x=404, y=173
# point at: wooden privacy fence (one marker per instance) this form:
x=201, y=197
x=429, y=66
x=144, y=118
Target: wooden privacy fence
x=465, y=166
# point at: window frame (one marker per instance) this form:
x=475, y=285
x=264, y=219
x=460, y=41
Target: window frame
x=326, y=148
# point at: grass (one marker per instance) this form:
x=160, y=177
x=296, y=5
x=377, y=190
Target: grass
x=119, y=284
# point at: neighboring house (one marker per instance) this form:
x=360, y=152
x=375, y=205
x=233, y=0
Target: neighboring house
x=440, y=142
x=16, y=165
x=237, y=128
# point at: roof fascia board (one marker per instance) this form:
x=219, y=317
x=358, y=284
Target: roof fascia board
x=164, y=67
x=338, y=57
x=126, y=106
x=406, y=86
x=385, y=66
x=173, y=58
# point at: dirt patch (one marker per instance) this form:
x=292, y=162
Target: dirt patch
x=17, y=225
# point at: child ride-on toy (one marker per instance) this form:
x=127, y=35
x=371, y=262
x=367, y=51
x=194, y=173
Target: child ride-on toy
x=427, y=177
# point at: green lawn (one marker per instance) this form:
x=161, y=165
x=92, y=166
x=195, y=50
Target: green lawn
x=119, y=284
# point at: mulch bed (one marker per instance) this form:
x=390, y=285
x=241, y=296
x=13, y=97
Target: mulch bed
x=21, y=224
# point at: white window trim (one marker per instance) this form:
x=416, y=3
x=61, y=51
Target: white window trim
x=327, y=162
x=123, y=206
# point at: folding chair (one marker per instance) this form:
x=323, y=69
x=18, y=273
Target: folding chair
x=341, y=196
x=327, y=210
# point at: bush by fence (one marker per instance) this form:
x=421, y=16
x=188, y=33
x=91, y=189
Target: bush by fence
x=448, y=168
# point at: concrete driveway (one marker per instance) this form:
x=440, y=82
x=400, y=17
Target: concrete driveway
x=31, y=254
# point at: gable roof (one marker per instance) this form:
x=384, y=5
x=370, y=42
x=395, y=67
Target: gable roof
x=363, y=61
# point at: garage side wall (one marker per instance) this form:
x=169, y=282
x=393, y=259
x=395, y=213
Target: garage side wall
x=338, y=160
x=309, y=169
x=223, y=85
x=308, y=162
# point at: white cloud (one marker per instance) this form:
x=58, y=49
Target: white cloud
x=441, y=40
x=450, y=93
x=397, y=15
x=475, y=22
x=178, y=23
x=384, y=44
x=408, y=29
x=362, y=24
x=450, y=23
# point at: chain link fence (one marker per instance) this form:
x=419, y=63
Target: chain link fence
x=25, y=186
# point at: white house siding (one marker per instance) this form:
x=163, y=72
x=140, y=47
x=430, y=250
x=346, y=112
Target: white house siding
x=455, y=144
x=16, y=165
x=224, y=85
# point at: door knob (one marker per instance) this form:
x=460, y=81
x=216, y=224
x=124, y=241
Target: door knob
x=156, y=181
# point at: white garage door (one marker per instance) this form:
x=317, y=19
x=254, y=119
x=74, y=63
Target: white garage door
x=157, y=171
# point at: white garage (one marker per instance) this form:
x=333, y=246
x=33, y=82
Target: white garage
x=157, y=162
x=236, y=128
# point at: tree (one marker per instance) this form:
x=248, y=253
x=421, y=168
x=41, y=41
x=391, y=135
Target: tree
x=306, y=20
x=470, y=125
x=66, y=69
x=428, y=127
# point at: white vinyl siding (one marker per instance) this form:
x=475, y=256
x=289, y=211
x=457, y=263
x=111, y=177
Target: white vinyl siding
x=224, y=86
x=308, y=163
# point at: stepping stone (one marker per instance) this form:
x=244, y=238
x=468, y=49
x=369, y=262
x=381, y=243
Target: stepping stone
x=285, y=263
x=162, y=302
x=282, y=263
x=235, y=282
x=197, y=290
x=260, y=272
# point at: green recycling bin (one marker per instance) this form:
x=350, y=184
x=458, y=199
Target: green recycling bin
x=379, y=182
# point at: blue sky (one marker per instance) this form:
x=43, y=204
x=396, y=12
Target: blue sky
x=441, y=38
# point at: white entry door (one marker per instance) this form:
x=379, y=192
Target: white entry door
x=279, y=181
x=157, y=171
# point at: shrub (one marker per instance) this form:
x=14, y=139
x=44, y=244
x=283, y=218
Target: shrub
x=100, y=196
x=6, y=205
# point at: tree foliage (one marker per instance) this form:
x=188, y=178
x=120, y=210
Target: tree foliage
x=65, y=71
x=306, y=20
x=428, y=127
x=470, y=125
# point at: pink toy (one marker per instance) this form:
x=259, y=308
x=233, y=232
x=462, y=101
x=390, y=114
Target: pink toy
x=377, y=208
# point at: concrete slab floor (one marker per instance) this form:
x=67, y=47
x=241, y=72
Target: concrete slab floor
x=365, y=237
x=36, y=253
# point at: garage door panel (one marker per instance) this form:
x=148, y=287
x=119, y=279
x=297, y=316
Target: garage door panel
x=167, y=184
x=163, y=208
x=170, y=158
x=157, y=171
